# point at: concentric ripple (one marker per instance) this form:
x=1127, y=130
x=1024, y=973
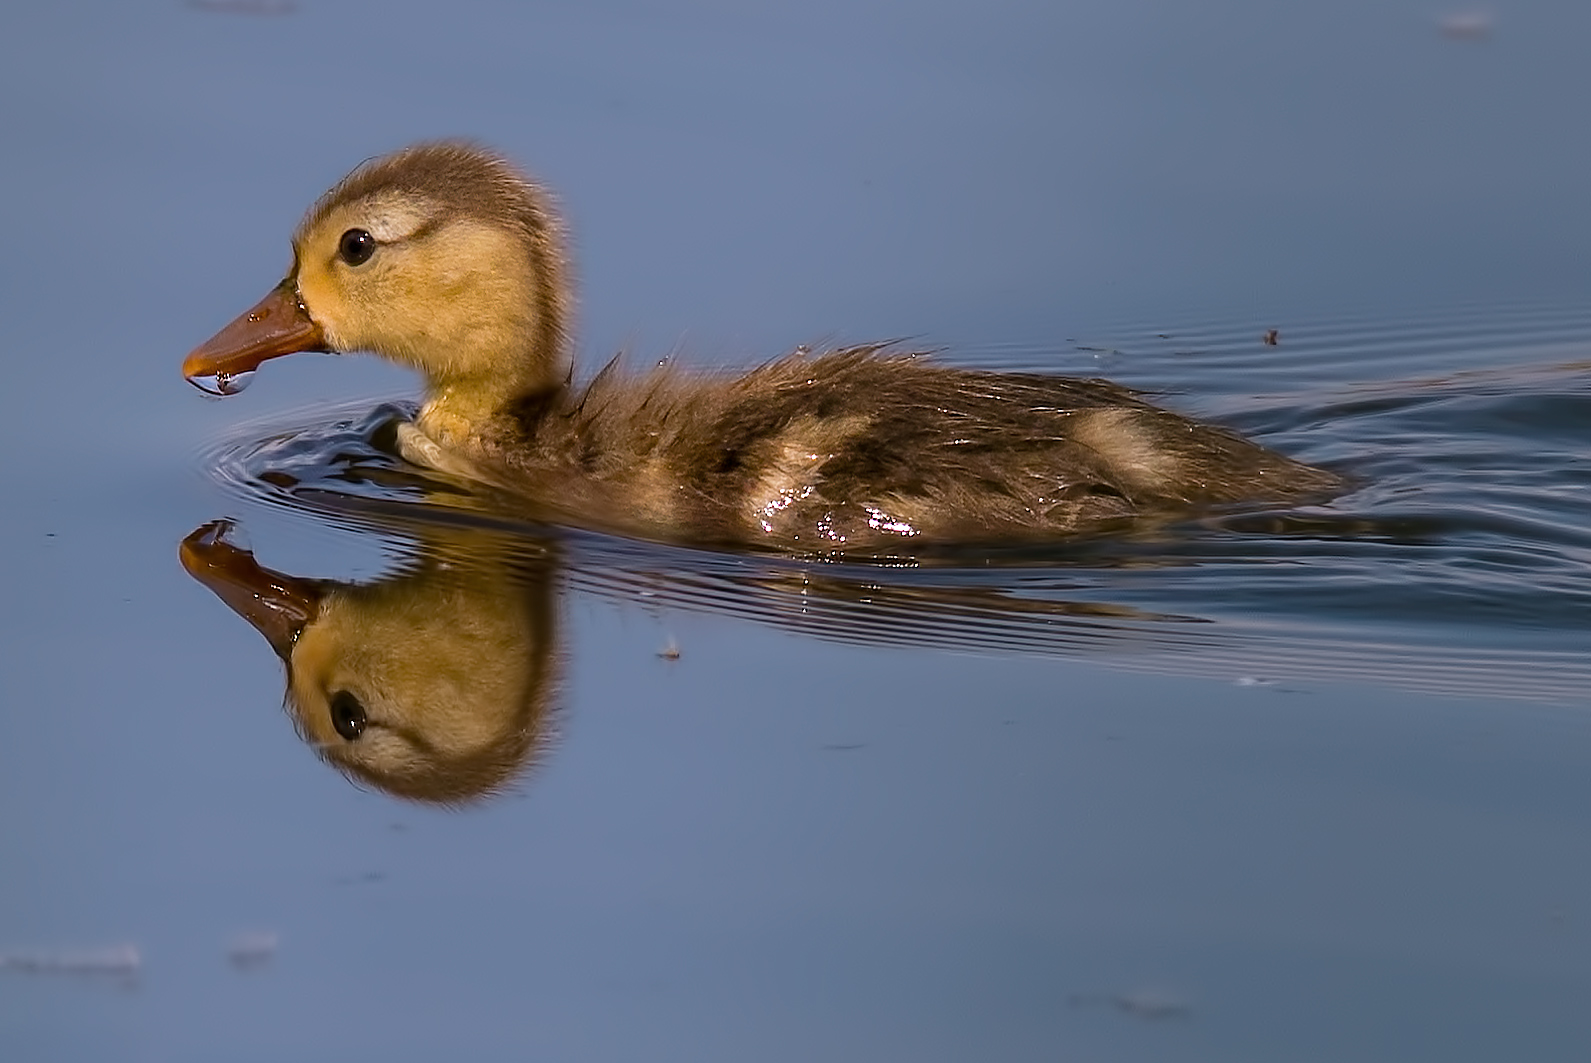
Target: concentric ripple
x=1460, y=562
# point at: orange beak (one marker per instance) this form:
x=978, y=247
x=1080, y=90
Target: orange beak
x=277, y=325
x=278, y=605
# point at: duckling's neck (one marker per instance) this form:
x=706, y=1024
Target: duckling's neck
x=455, y=412
x=458, y=410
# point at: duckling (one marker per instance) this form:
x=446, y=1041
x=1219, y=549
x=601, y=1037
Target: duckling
x=446, y=258
x=432, y=683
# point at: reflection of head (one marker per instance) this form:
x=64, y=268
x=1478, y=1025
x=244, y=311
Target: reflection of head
x=431, y=683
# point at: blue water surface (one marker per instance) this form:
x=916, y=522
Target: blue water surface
x=1282, y=786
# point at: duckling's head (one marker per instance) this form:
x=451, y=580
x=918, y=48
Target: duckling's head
x=442, y=257
x=432, y=683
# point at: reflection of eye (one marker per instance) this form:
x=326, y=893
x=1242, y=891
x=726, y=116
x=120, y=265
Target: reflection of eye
x=347, y=715
x=356, y=247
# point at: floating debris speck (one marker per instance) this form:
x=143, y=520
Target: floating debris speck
x=121, y=961
x=252, y=950
x=257, y=8
x=1148, y=1004
x=1466, y=25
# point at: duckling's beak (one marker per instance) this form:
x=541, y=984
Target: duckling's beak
x=278, y=605
x=277, y=325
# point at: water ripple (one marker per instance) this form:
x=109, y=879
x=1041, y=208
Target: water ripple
x=1461, y=562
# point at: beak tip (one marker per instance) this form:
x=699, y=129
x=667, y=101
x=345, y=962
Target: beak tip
x=204, y=544
x=276, y=326
x=277, y=605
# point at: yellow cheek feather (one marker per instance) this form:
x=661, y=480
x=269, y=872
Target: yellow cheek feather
x=452, y=301
x=443, y=664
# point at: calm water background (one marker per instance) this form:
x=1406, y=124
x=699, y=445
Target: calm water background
x=1346, y=822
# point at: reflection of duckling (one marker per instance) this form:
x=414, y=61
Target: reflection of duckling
x=444, y=258
x=432, y=683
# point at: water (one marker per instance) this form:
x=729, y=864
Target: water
x=1302, y=785
x=222, y=384
x=1456, y=562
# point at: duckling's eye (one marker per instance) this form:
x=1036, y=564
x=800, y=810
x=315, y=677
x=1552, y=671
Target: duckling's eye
x=347, y=715
x=356, y=247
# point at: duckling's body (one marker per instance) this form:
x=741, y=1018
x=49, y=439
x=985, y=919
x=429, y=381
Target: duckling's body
x=444, y=258
x=864, y=449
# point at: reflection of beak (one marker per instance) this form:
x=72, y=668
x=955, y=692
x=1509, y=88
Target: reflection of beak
x=277, y=605
x=277, y=325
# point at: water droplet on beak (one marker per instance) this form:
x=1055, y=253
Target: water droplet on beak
x=222, y=383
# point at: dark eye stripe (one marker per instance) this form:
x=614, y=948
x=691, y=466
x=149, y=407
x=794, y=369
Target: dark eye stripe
x=356, y=247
